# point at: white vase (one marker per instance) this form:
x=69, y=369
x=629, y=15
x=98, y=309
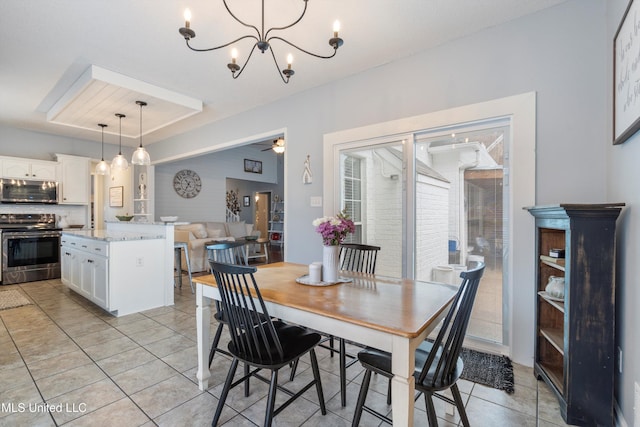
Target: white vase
x=330, y=258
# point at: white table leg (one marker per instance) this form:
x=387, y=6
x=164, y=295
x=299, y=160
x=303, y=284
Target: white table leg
x=403, y=383
x=203, y=328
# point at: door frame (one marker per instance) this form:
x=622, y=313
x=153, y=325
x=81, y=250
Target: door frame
x=521, y=111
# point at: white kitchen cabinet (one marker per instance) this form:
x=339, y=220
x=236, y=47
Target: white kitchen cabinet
x=75, y=179
x=29, y=169
x=84, y=269
x=121, y=275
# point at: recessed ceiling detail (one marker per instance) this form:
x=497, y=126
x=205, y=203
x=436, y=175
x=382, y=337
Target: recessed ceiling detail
x=99, y=94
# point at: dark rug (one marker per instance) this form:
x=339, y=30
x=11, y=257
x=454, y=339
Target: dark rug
x=491, y=370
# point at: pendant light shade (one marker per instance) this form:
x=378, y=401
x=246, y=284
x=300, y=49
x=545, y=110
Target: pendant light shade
x=140, y=156
x=102, y=168
x=119, y=163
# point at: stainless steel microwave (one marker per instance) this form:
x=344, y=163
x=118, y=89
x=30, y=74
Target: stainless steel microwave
x=27, y=191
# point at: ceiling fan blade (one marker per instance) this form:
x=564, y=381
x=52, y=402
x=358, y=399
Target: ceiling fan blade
x=266, y=149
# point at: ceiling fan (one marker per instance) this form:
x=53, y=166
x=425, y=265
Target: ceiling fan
x=277, y=146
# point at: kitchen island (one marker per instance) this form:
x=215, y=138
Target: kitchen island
x=124, y=269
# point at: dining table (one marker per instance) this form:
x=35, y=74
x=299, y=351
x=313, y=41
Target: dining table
x=391, y=314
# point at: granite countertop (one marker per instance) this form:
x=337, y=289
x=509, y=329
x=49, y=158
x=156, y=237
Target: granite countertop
x=112, y=236
x=147, y=222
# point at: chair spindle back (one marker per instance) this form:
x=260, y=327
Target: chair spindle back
x=252, y=334
x=359, y=258
x=453, y=329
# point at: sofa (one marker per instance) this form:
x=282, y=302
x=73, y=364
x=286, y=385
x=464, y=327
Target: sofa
x=197, y=234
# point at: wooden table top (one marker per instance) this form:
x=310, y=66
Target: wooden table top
x=402, y=307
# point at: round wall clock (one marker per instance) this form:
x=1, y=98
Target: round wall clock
x=187, y=183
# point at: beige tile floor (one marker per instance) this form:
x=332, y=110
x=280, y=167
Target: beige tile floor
x=64, y=361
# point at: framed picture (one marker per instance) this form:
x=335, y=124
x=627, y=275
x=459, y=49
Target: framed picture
x=246, y=201
x=115, y=197
x=626, y=103
x=253, y=166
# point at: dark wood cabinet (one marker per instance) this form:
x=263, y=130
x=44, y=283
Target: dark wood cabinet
x=575, y=336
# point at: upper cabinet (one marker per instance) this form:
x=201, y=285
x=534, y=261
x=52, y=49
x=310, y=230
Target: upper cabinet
x=74, y=179
x=28, y=169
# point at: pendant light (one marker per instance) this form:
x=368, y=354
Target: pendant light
x=140, y=156
x=102, y=168
x=119, y=163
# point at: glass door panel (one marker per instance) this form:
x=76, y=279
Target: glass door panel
x=372, y=193
x=461, y=214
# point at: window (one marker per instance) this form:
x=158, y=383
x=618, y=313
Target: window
x=352, y=194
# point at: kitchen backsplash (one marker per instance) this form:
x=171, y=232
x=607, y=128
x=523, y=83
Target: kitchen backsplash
x=74, y=214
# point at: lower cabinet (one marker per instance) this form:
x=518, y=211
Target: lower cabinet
x=85, y=272
x=122, y=277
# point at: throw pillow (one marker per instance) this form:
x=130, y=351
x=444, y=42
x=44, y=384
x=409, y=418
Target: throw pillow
x=198, y=230
x=237, y=229
x=214, y=233
x=249, y=229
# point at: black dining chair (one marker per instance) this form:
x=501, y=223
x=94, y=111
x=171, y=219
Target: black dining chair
x=259, y=341
x=438, y=363
x=228, y=252
x=358, y=258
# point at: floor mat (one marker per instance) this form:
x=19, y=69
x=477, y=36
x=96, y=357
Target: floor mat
x=491, y=370
x=12, y=298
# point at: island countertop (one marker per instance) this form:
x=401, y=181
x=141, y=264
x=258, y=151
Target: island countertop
x=112, y=236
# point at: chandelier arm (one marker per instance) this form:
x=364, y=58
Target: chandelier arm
x=275, y=61
x=244, y=23
x=236, y=75
x=248, y=36
x=290, y=25
x=335, y=50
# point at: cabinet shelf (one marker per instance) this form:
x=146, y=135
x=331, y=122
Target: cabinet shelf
x=557, y=263
x=559, y=305
x=555, y=338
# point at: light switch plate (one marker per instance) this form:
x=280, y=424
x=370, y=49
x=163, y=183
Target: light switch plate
x=316, y=201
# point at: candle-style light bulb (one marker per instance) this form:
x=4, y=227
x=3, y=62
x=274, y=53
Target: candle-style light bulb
x=187, y=17
x=234, y=55
x=336, y=28
x=289, y=61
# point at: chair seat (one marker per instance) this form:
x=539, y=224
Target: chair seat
x=295, y=341
x=380, y=361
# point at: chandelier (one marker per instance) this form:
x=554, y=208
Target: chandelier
x=263, y=41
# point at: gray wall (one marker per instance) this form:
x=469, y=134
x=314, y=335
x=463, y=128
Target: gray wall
x=42, y=146
x=561, y=63
x=213, y=169
x=623, y=178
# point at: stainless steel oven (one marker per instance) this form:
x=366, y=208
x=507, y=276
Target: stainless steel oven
x=30, y=248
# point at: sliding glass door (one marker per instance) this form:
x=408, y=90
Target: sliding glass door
x=434, y=201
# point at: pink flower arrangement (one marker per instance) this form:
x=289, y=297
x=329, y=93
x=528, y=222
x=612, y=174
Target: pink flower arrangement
x=334, y=229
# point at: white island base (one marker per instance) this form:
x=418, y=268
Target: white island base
x=123, y=272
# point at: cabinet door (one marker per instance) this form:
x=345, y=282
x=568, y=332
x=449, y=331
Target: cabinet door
x=86, y=273
x=75, y=180
x=100, y=278
x=74, y=269
x=14, y=168
x=65, y=265
x=43, y=170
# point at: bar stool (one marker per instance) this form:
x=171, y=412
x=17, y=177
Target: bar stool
x=177, y=248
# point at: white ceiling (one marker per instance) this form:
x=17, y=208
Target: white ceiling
x=46, y=46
